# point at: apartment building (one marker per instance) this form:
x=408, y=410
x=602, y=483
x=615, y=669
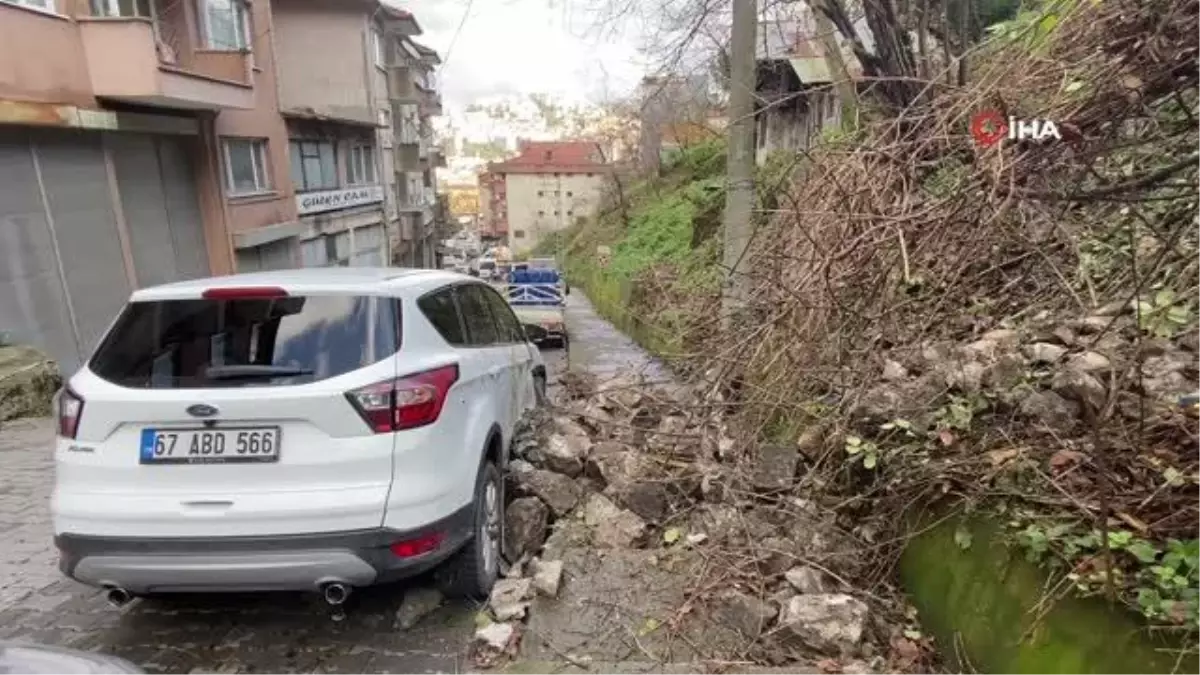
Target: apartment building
x=545, y=189
x=415, y=155
x=145, y=141
x=139, y=141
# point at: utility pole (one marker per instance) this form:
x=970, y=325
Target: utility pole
x=739, y=195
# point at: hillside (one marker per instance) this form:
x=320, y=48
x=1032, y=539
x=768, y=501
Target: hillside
x=941, y=327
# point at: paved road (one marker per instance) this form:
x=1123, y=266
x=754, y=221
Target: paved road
x=233, y=633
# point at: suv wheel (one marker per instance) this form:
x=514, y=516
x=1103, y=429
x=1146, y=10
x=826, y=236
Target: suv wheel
x=474, y=569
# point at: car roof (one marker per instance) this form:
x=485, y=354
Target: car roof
x=312, y=279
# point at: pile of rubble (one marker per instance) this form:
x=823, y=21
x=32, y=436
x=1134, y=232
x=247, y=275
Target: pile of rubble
x=628, y=473
x=28, y=381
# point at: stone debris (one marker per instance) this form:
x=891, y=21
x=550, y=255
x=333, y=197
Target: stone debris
x=563, y=454
x=559, y=492
x=510, y=598
x=774, y=467
x=749, y=615
x=806, y=579
x=28, y=381
x=612, y=526
x=649, y=500
x=829, y=623
x=547, y=577
x=1089, y=362
x=417, y=604
x=526, y=520
x=1044, y=352
x=495, y=636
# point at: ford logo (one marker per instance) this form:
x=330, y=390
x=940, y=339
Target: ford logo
x=201, y=410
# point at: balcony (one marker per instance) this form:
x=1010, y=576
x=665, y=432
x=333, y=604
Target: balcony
x=155, y=62
x=411, y=193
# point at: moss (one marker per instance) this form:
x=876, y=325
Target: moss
x=982, y=602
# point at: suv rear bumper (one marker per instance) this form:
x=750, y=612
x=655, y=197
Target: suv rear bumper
x=261, y=563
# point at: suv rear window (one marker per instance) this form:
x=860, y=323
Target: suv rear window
x=190, y=344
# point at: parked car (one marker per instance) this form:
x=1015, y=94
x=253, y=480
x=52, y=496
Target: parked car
x=311, y=429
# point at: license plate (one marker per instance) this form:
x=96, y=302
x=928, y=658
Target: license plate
x=209, y=446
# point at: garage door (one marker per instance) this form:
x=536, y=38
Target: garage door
x=62, y=275
x=156, y=180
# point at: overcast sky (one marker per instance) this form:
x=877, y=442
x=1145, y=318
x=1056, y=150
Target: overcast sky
x=525, y=46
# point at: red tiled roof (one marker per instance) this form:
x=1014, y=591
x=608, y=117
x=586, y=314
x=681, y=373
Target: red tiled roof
x=554, y=157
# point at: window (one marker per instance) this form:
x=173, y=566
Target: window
x=172, y=344
x=226, y=24
x=557, y=193
x=377, y=47
x=126, y=8
x=556, y=212
x=362, y=165
x=314, y=165
x=570, y=194
x=519, y=234
x=481, y=328
x=541, y=194
x=246, y=166
x=588, y=175
x=541, y=213
x=507, y=325
x=385, y=118
x=46, y=5
x=570, y=213
x=442, y=311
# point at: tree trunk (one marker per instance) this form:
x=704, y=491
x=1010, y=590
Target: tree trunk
x=739, y=196
x=847, y=93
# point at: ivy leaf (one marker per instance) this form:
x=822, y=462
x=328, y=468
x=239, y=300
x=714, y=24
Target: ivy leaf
x=1143, y=550
x=649, y=627
x=912, y=634
x=1074, y=86
x=869, y=461
x=962, y=537
x=1119, y=539
x=672, y=535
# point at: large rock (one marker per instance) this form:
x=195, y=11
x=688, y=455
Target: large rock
x=567, y=534
x=1050, y=409
x=1045, y=352
x=1007, y=371
x=1080, y=387
x=893, y=371
x=559, y=492
x=568, y=427
x=510, y=598
x=547, y=577
x=612, y=526
x=28, y=381
x=746, y=613
x=649, y=500
x=830, y=623
x=526, y=520
x=609, y=466
x=495, y=636
x=1089, y=362
x=776, y=555
x=563, y=454
x=806, y=579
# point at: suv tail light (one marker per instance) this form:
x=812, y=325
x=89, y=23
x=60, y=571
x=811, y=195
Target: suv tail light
x=70, y=408
x=404, y=403
x=244, y=293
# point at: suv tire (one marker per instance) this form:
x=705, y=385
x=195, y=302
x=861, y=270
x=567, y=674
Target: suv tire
x=473, y=571
x=539, y=389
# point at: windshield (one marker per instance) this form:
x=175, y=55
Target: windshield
x=188, y=344
x=487, y=265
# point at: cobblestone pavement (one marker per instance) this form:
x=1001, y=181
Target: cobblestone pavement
x=231, y=633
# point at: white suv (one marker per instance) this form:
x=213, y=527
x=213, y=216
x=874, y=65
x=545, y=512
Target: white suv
x=317, y=429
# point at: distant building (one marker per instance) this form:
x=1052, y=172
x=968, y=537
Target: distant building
x=545, y=189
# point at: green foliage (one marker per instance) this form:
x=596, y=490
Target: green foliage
x=863, y=452
x=948, y=178
x=1033, y=23
x=1164, y=315
x=1160, y=583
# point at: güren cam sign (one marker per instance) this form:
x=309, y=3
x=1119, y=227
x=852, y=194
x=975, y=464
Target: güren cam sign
x=332, y=200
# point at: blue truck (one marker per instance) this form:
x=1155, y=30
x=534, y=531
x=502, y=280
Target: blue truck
x=538, y=297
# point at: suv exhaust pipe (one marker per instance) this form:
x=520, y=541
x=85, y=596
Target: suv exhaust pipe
x=118, y=597
x=335, y=594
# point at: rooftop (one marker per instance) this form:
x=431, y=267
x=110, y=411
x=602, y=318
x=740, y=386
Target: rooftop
x=554, y=157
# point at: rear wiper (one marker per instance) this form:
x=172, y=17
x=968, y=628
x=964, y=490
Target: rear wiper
x=251, y=371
